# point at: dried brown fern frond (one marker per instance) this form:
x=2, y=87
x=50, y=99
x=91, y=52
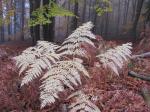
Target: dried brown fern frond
x=115, y=58
x=82, y=103
x=62, y=73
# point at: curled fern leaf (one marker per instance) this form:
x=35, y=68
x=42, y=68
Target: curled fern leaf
x=82, y=103
x=72, y=45
x=114, y=58
x=62, y=73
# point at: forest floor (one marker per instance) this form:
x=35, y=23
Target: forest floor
x=115, y=94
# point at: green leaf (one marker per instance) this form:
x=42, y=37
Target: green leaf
x=44, y=14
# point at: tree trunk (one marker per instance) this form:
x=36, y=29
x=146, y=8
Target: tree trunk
x=137, y=16
x=89, y=10
x=9, y=25
x=48, y=29
x=35, y=31
x=118, y=18
x=22, y=19
x=41, y=26
x=75, y=19
x=2, y=33
x=2, y=25
x=15, y=18
x=144, y=55
x=95, y=17
x=68, y=20
x=140, y=76
x=84, y=10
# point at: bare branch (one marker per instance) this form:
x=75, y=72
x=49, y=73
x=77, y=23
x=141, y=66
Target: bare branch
x=140, y=76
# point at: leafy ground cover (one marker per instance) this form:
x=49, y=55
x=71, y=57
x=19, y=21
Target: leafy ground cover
x=109, y=92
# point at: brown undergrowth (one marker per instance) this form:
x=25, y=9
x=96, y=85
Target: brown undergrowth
x=109, y=92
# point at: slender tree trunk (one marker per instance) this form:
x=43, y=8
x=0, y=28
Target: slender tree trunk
x=89, y=10
x=22, y=19
x=95, y=15
x=35, y=31
x=15, y=18
x=106, y=24
x=118, y=18
x=2, y=33
x=68, y=20
x=41, y=26
x=2, y=25
x=84, y=10
x=134, y=2
x=75, y=19
x=137, y=16
x=48, y=29
x=9, y=25
x=126, y=12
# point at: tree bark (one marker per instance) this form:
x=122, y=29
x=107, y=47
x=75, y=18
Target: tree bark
x=22, y=19
x=75, y=19
x=48, y=29
x=35, y=31
x=118, y=18
x=144, y=55
x=2, y=25
x=137, y=16
x=140, y=76
x=15, y=18
x=84, y=11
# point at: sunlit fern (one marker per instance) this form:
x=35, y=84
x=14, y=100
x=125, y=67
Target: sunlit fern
x=63, y=73
x=34, y=60
x=114, y=58
x=72, y=45
x=82, y=103
x=47, y=46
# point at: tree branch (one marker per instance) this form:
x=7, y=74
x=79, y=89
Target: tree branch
x=144, y=55
x=140, y=76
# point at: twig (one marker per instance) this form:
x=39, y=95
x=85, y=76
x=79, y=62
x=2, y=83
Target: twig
x=144, y=55
x=143, y=77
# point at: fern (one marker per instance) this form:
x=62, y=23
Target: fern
x=35, y=60
x=44, y=58
x=46, y=46
x=72, y=45
x=36, y=68
x=114, y=58
x=62, y=73
x=82, y=103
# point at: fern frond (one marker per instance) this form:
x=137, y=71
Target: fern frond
x=72, y=45
x=35, y=60
x=86, y=26
x=47, y=46
x=114, y=58
x=82, y=103
x=37, y=67
x=27, y=57
x=31, y=54
x=62, y=73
